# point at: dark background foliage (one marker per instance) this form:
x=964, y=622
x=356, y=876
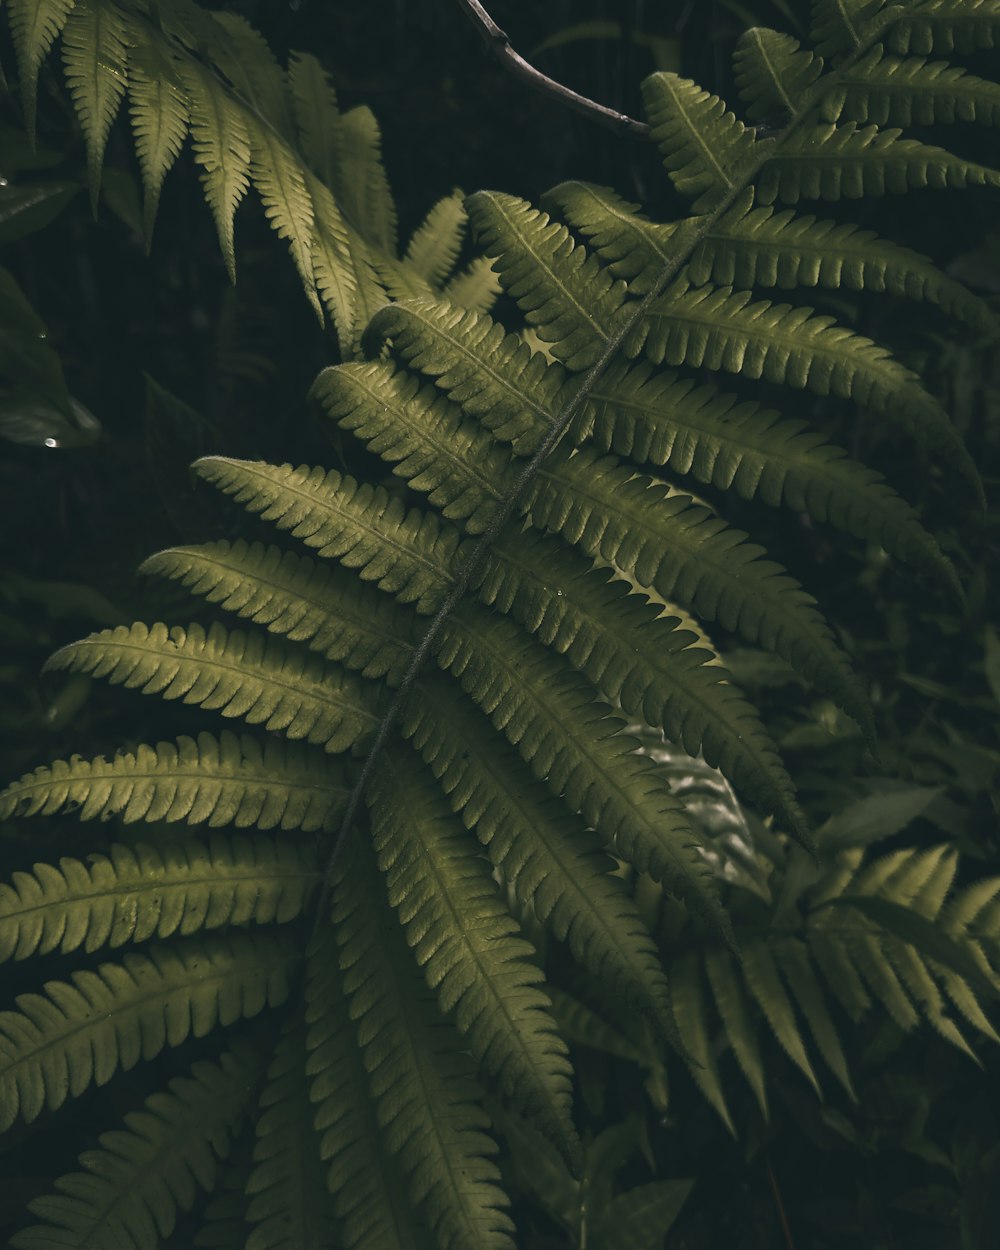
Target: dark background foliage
x=175, y=363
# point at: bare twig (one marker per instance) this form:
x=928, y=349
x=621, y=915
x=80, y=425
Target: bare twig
x=499, y=44
x=776, y=1193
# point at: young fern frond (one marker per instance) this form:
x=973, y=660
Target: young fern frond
x=95, y=56
x=154, y=1167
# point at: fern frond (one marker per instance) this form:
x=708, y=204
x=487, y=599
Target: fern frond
x=315, y=112
x=154, y=1167
x=215, y=781
x=513, y=392
x=289, y=1205
x=249, y=675
x=574, y=744
x=763, y=981
x=638, y=1219
x=139, y=892
x=690, y=1012
x=705, y=149
x=436, y=879
x=664, y=419
x=475, y=287
x=82, y=1031
x=773, y=73
x=35, y=24
x=721, y=328
x=420, y=1074
x=660, y=538
x=94, y=42
x=322, y=605
x=733, y=1007
x=631, y=246
x=422, y=435
x=434, y=247
x=638, y=657
x=562, y=290
x=246, y=59
x=370, y=1194
x=764, y=247
x=554, y=863
x=221, y=141
x=792, y=957
x=828, y=162
x=359, y=181
x=160, y=120
x=281, y=184
x=892, y=91
x=943, y=26
x=407, y=554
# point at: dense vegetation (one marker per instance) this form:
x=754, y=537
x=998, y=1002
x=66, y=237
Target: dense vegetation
x=572, y=871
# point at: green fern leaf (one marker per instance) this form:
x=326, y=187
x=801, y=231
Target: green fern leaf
x=435, y=877
x=891, y=91
x=690, y=1013
x=830, y=162
x=562, y=290
x=155, y=1166
x=249, y=675
x=705, y=149
x=95, y=56
x=658, y=537
x=664, y=419
x=840, y=27
x=774, y=75
x=555, y=865
x=792, y=958
x=290, y=1206
x=420, y=1074
x=719, y=328
x=513, y=392
x=215, y=781
x=761, y=975
x=434, y=248
x=281, y=183
x=333, y=266
x=475, y=287
x=631, y=246
x=316, y=115
x=581, y=1026
x=160, y=120
x=737, y=1022
x=246, y=59
x=221, y=140
x=422, y=435
x=35, y=24
x=223, y=1226
x=638, y=657
x=370, y=1194
x=944, y=26
x=140, y=892
x=322, y=605
x=763, y=247
x=359, y=182
x=574, y=744
x=81, y=1032
x=406, y=554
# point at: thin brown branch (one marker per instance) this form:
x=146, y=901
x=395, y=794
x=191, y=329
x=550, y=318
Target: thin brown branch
x=776, y=1193
x=498, y=43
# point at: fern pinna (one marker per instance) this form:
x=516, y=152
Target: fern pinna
x=451, y=677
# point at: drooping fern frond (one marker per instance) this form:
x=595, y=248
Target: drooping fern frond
x=154, y=1167
x=506, y=727
x=318, y=172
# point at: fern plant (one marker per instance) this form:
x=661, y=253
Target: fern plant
x=441, y=670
